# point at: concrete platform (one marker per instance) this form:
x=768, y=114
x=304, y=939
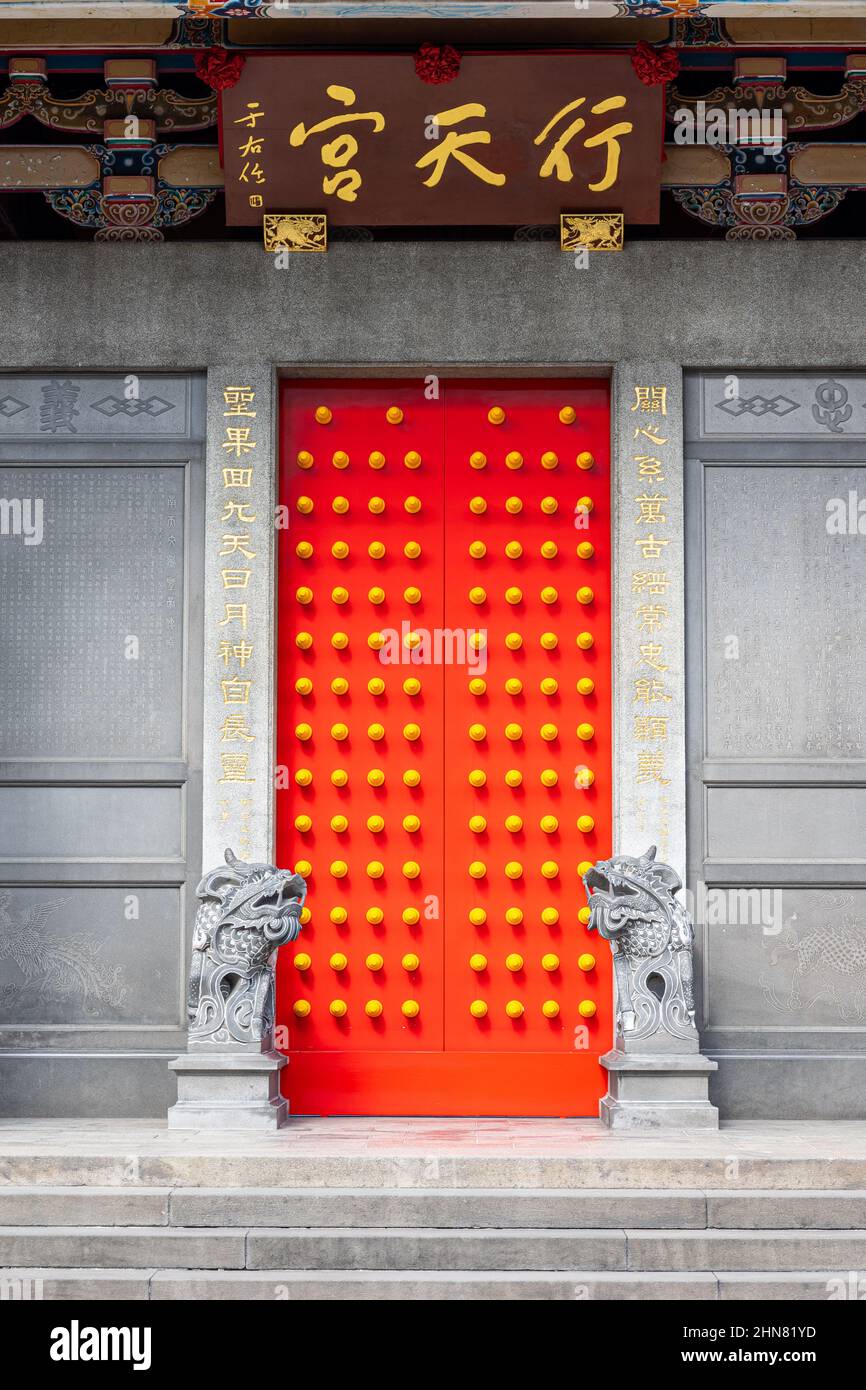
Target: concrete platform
x=435, y=1153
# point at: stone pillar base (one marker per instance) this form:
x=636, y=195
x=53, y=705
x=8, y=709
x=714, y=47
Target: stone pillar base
x=229, y=1090
x=657, y=1091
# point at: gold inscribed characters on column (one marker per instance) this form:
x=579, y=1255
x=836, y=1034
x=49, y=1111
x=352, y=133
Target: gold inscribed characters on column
x=649, y=763
x=236, y=688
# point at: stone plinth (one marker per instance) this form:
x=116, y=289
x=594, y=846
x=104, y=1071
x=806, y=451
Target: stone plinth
x=219, y=1089
x=657, y=1090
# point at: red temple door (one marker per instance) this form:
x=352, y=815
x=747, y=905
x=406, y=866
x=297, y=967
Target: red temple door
x=444, y=740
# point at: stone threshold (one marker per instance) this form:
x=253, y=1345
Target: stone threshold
x=323, y=1152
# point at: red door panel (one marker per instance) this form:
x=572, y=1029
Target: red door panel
x=368, y=918
x=383, y=1010
x=516, y=923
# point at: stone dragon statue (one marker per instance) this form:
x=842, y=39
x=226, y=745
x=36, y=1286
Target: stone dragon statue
x=632, y=905
x=246, y=912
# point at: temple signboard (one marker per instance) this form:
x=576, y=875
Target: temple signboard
x=514, y=138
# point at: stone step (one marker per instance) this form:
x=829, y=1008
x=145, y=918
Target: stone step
x=500, y=1208
x=417, y=1248
x=310, y=1248
x=764, y=1250
x=355, y=1207
x=420, y=1248
x=522, y=1285
x=546, y=1208
x=675, y=1162
x=807, y=1209
x=442, y=1208
x=428, y=1285
x=30, y=1284
x=89, y=1206
x=119, y=1247
x=517, y=1248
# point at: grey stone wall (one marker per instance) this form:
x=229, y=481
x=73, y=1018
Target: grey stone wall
x=777, y=747
x=100, y=734
x=702, y=304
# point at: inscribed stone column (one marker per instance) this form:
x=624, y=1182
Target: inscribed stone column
x=236, y=1084
x=662, y=1083
x=239, y=710
x=649, y=773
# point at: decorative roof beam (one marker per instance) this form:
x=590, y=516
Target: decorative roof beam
x=25, y=168
x=831, y=166
x=131, y=90
x=761, y=83
x=431, y=9
x=175, y=184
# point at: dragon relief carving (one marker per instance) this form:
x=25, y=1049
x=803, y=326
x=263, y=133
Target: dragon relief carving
x=246, y=912
x=633, y=906
x=825, y=963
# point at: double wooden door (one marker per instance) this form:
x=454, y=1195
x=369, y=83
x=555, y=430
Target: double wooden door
x=444, y=743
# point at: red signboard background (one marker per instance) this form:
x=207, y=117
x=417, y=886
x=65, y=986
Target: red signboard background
x=520, y=93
